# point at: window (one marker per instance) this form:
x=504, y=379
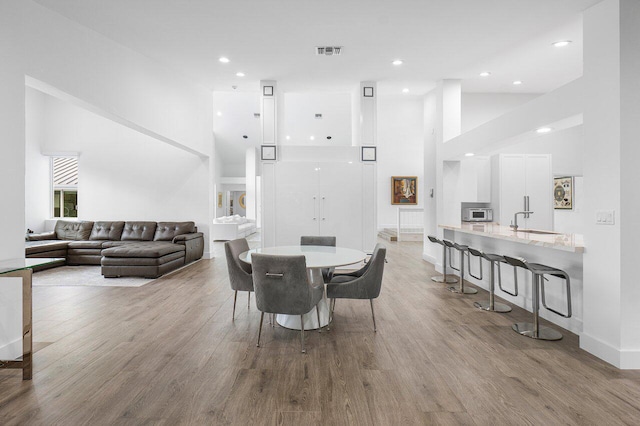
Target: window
x=65, y=186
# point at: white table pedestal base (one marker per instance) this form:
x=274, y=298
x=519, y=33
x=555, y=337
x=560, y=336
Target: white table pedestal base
x=310, y=318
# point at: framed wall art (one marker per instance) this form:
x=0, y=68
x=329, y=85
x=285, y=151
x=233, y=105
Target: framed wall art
x=404, y=190
x=563, y=193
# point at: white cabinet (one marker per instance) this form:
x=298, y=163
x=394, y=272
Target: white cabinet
x=526, y=178
x=319, y=199
x=476, y=180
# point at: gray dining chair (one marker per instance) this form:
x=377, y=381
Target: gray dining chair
x=363, y=284
x=327, y=273
x=239, y=272
x=282, y=287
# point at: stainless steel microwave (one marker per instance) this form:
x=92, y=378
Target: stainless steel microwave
x=477, y=215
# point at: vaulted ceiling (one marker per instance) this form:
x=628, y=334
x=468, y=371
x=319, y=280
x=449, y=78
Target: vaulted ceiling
x=275, y=39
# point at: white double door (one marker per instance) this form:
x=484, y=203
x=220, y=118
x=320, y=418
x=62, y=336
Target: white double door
x=319, y=199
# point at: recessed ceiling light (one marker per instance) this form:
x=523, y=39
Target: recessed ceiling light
x=405, y=90
x=350, y=162
x=219, y=114
x=312, y=137
x=287, y=137
x=485, y=74
x=544, y=130
x=561, y=43
x=224, y=60
x=240, y=74
x=397, y=62
x=469, y=154
x=517, y=82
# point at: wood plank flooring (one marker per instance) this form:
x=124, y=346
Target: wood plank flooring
x=168, y=353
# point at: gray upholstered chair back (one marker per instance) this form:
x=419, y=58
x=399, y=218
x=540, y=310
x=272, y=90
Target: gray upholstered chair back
x=372, y=278
x=367, y=285
x=317, y=241
x=281, y=284
x=239, y=271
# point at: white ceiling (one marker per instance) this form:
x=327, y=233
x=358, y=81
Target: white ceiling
x=275, y=39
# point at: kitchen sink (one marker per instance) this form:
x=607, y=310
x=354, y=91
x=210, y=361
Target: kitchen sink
x=535, y=231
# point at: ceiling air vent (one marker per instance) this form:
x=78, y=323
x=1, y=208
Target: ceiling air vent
x=328, y=50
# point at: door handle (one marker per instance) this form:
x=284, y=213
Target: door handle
x=315, y=208
x=526, y=206
x=323, y=218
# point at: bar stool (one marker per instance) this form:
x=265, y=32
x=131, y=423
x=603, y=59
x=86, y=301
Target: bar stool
x=538, y=272
x=462, y=249
x=442, y=278
x=493, y=259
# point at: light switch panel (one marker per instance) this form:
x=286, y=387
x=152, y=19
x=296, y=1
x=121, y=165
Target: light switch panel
x=605, y=217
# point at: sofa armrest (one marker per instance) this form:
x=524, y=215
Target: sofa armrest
x=43, y=236
x=186, y=237
x=194, y=245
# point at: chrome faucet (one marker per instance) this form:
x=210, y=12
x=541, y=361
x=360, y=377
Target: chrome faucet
x=514, y=224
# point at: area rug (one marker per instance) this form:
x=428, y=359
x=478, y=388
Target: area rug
x=88, y=276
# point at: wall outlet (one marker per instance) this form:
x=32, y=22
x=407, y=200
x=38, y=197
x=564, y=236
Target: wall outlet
x=605, y=217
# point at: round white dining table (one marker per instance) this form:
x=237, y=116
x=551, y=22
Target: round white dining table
x=317, y=258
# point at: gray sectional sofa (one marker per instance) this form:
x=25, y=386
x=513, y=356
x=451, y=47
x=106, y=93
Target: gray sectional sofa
x=141, y=249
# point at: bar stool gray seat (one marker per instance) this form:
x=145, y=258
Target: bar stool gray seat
x=462, y=249
x=494, y=260
x=538, y=271
x=442, y=278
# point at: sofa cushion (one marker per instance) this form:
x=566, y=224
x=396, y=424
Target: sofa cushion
x=67, y=230
x=111, y=231
x=138, y=231
x=143, y=249
x=109, y=244
x=166, y=231
x=85, y=244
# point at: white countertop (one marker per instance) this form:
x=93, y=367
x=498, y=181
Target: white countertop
x=567, y=242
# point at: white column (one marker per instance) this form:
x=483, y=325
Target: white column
x=269, y=120
x=611, y=323
x=367, y=133
x=445, y=126
x=250, y=185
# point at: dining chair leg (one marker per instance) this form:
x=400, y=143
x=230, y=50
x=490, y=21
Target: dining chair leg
x=302, y=333
x=235, y=297
x=273, y=320
x=260, y=329
x=318, y=315
x=248, y=299
x=373, y=315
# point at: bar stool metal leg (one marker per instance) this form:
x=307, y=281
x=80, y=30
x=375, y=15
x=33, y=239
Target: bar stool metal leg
x=461, y=289
x=444, y=278
x=491, y=305
x=535, y=330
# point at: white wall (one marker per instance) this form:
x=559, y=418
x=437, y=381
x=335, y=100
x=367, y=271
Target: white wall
x=126, y=175
x=567, y=158
x=300, y=122
x=400, y=153
x=479, y=108
x=37, y=166
x=236, y=119
x=95, y=71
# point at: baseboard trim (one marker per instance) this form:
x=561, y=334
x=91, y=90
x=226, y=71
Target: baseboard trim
x=207, y=255
x=624, y=359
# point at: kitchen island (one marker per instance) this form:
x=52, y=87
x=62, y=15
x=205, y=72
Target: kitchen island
x=563, y=251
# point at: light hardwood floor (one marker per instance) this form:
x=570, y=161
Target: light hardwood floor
x=168, y=353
